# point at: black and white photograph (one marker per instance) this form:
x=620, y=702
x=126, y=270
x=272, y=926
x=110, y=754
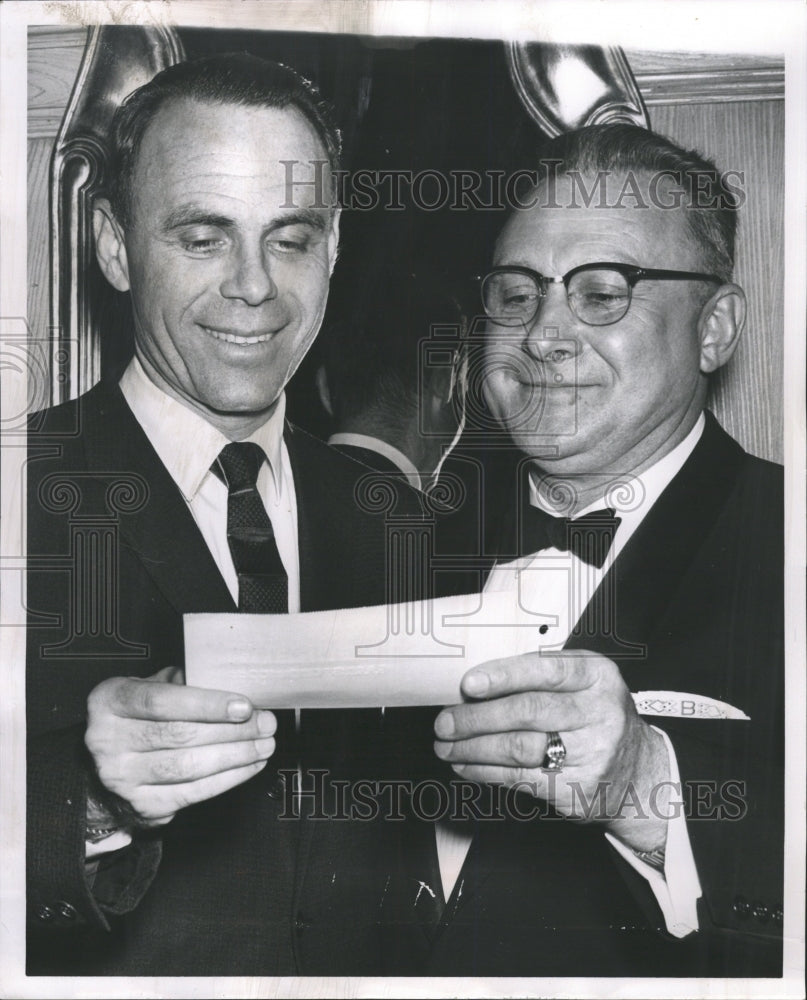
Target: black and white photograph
x=403, y=498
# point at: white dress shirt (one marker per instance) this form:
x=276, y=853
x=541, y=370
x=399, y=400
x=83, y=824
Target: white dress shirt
x=383, y=448
x=559, y=584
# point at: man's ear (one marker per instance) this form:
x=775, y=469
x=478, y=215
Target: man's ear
x=110, y=248
x=333, y=240
x=721, y=322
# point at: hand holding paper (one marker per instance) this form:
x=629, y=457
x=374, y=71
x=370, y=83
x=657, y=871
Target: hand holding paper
x=499, y=737
x=161, y=746
x=421, y=654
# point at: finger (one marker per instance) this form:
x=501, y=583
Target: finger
x=158, y=804
x=177, y=767
x=147, y=735
x=533, y=710
x=533, y=672
x=530, y=780
x=132, y=698
x=518, y=749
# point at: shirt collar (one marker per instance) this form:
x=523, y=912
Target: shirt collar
x=382, y=448
x=642, y=491
x=185, y=442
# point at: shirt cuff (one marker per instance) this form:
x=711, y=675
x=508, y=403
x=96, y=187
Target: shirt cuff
x=114, y=842
x=677, y=889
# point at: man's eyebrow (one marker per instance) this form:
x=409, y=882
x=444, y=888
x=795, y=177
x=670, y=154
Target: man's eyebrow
x=193, y=215
x=300, y=217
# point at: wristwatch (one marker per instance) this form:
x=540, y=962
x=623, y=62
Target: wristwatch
x=653, y=858
x=95, y=834
x=99, y=824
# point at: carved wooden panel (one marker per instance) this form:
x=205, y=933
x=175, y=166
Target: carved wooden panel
x=54, y=56
x=748, y=136
x=709, y=78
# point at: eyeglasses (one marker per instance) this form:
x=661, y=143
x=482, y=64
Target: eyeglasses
x=598, y=294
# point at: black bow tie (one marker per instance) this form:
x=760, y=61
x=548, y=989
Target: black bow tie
x=589, y=537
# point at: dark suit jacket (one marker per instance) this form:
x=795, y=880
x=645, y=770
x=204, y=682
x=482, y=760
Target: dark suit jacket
x=694, y=603
x=231, y=886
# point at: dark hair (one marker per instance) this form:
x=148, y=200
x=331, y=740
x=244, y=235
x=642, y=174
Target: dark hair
x=230, y=78
x=373, y=360
x=710, y=203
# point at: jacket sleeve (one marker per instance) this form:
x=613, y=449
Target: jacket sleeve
x=59, y=892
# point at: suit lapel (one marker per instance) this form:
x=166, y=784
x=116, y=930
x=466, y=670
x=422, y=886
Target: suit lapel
x=648, y=571
x=342, y=554
x=317, y=542
x=162, y=526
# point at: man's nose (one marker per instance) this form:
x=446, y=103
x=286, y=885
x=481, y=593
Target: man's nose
x=551, y=336
x=248, y=277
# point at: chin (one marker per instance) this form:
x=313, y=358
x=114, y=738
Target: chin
x=243, y=405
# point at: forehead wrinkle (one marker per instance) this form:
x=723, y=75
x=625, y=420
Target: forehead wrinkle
x=561, y=237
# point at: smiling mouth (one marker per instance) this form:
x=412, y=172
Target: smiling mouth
x=553, y=384
x=243, y=339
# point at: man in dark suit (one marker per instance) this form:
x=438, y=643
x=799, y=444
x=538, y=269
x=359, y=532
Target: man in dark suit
x=659, y=851
x=159, y=841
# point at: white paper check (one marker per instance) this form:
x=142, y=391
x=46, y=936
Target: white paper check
x=386, y=655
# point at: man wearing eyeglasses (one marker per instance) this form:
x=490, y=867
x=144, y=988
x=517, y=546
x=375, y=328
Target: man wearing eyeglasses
x=650, y=546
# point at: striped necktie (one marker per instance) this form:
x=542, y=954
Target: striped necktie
x=263, y=586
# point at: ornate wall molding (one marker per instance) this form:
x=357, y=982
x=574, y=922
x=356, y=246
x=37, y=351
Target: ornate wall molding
x=706, y=78
x=565, y=87
x=116, y=61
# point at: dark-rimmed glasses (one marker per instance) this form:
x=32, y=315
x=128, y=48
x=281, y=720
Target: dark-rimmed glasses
x=598, y=294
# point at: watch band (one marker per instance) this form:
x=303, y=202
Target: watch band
x=95, y=834
x=100, y=823
x=653, y=858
